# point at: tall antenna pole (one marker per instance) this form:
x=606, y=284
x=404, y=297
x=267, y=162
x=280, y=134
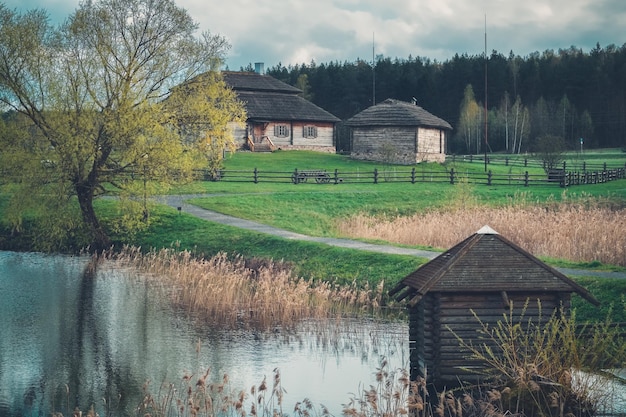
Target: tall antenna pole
x=373, y=72
x=486, y=142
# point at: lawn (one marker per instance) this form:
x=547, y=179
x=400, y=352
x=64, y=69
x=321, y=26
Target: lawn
x=313, y=208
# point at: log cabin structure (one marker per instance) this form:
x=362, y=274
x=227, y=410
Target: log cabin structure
x=398, y=132
x=278, y=116
x=486, y=275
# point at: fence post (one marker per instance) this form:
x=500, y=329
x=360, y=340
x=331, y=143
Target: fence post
x=564, y=166
x=451, y=175
x=256, y=176
x=413, y=175
x=526, y=179
x=336, y=176
x=584, y=166
x=506, y=161
x=471, y=158
x=525, y=162
x=294, y=176
x=375, y=175
x=489, y=175
x=604, y=166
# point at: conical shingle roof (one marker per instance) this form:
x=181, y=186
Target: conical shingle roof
x=396, y=113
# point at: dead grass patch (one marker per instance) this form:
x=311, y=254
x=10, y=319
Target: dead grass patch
x=584, y=230
x=232, y=292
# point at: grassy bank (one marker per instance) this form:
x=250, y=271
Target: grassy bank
x=326, y=209
x=171, y=229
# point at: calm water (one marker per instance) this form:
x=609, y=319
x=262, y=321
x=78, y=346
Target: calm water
x=73, y=337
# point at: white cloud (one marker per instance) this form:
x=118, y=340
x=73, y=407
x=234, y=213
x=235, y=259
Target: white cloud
x=298, y=31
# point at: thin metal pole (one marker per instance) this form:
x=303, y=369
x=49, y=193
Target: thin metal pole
x=373, y=71
x=486, y=142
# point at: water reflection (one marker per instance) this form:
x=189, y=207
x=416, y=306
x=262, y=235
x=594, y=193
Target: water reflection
x=74, y=335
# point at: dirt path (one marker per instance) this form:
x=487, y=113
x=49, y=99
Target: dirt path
x=180, y=202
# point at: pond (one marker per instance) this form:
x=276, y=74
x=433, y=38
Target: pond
x=75, y=336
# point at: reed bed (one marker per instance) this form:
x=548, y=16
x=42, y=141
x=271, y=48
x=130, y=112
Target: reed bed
x=232, y=292
x=580, y=230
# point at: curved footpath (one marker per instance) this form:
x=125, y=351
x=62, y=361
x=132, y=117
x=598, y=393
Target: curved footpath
x=179, y=201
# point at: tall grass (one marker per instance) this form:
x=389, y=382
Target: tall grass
x=195, y=396
x=541, y=366
x=233, y=292
x=547, y=366
x=579, y=230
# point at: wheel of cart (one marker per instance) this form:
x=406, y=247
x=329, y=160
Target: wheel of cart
x=322, y=177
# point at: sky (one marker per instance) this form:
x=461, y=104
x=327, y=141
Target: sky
x=294, y=32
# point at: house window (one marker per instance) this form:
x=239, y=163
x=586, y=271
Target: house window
x=281, y=131
x=309, y=132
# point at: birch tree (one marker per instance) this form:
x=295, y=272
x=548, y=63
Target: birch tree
x=521, y=124
x=469, y=121
x=504, y=111
x=93, y=91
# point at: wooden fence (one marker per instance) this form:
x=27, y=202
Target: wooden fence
x=558, y=177
x=519, y=161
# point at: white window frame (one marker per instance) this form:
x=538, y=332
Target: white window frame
x=281, y=130
x=309, y=131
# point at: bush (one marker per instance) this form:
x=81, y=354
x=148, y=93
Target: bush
x=551, y=151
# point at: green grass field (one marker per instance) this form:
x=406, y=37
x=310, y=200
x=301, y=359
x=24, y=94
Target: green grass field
x=315, y=208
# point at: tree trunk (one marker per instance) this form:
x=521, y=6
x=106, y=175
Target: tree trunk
x=99, y=239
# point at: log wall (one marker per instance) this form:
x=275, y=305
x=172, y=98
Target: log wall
x=324, y=141
x=439, y=319
x=400, y=145
x=431, y=145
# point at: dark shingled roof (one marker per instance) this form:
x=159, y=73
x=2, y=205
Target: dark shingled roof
x=483, y=262
x=276, y=106
x=396, y=113
x=269, y=99
x=251, y=81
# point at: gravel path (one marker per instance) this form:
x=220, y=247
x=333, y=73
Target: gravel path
x=180, y=202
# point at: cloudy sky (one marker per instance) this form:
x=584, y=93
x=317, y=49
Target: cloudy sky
x=299, y=31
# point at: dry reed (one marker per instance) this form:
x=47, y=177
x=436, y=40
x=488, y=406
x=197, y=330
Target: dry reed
x=232, y=292
x=547, y=365
x=195, y=396
x=579, y=230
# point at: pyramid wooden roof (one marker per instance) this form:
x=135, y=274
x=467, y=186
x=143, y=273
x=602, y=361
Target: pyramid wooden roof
x=396, y=113
x=485, y=262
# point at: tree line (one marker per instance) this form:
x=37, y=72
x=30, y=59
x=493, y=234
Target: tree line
x=569, y=94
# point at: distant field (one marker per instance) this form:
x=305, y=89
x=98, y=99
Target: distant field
x=314, y=208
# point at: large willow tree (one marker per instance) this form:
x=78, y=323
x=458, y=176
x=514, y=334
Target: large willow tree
x=100, y=107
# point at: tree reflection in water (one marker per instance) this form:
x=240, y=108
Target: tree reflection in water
x=77, y=334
